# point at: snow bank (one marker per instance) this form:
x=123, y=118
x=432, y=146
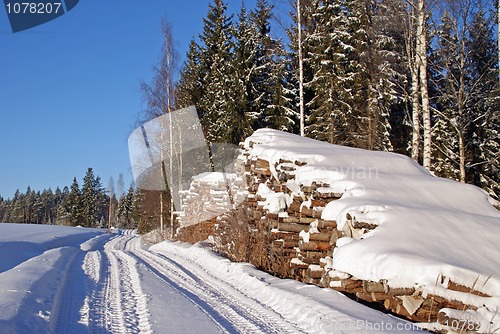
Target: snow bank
x=33, y=259
x=430, y=231
x=20, y=242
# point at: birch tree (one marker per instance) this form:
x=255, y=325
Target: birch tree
x=159, y=96
x=416, y=52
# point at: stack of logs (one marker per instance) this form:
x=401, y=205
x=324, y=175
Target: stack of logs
x=206, y=199
x=301, y=244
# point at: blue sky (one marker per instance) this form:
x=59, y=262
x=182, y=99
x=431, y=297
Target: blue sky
x=69, y=89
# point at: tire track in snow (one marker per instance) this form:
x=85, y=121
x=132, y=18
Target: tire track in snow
x=101, y=293
x=252, y=306
x=244, y=314
x=65, y=315
x=127, y=310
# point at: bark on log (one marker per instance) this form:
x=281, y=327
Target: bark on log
x=323, y=236
x=313, y=273
x=292, y=227
x=314, y=246
x=462, y=288
x=327, y=223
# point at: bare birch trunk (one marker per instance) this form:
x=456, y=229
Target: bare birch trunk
x=461, y=149
x=424, y=93
x=301, y=69
x=414, y=94
x=416, y=112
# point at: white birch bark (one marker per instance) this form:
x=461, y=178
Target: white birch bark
x=424, y=93
x=301, y=69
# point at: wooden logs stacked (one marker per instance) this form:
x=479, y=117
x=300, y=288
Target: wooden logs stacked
x=207, y=198
x=296, y=242
x=199, y=232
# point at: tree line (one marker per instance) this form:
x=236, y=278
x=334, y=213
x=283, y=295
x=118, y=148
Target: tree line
x=407, y=76
x=90, y=205
x=414, y=77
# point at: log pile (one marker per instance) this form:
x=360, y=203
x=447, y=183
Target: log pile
x=207, y=198
x=295, y=242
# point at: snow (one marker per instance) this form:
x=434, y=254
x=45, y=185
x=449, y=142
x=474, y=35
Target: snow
x=428, y=228
x=93, y=281
x=312, y=309
x=275, y=202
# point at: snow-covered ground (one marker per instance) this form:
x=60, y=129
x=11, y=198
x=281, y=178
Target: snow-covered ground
x=75, y=280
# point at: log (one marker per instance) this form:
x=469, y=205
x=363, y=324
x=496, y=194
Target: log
x=331, y=196
x=314, y=246
x=314, y=271
x=411, y=304
x=291, y=227
x=462, y=288
x=289, y=219
x=352, y=286
x=298, y=264
x=327, y=223
x=294, y=207
x=306, y=212
x=323, y=236
x=311, y=260
x=306, y=220
x=290, y=244
x=370, y=287
x=444, y=303
x=262, y=172
x=300, y=163
x=315, y=255
x=402, y=311
x=364, y=296
x=389, y=303
x=318, y=202
x=401, y=291
x=378, y=296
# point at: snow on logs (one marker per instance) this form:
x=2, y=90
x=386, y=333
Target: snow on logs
x=297, y=202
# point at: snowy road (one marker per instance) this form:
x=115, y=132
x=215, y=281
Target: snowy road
x=94, y=282
x=115, y=301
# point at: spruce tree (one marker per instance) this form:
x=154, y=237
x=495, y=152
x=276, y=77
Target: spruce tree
x=89, y=199
x=330, y=52
x=220, y=116
x=271, y=97
x=74, y=204
x=189, y=89
x=484, y=132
